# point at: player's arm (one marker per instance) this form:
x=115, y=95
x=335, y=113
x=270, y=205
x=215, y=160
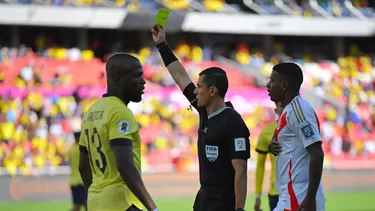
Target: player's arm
x=305, y=124
x=174, y=67
x=120, y=137
x=123, y=151
x=262, y=151
x=316, y=167
x=239, y=145
x=84, y=163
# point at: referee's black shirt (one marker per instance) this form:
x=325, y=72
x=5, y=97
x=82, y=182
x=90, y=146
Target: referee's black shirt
x=222, y=136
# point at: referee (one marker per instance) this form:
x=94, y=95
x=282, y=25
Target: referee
x=223, y=138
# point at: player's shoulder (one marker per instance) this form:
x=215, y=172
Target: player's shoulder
x=269, y=128
x=111, y=102
x=267, y=131
x=298, y=109
x=114, y=105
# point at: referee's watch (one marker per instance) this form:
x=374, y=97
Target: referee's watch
x=239, y=209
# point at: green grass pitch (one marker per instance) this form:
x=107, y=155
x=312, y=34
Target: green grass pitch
x=342, y=201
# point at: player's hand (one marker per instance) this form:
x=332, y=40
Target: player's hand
x=257, y=205
x=274, y=147
x=308, y=204
x=158, y=33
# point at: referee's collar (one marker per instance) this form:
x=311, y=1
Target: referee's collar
x=228, y=105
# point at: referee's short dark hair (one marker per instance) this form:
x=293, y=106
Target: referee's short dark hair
x=292, y=72
x=217, y=77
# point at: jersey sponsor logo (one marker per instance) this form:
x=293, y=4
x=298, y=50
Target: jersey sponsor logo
x=307, y=131
x=123, y=127
x=239, y=144
x=212, y=152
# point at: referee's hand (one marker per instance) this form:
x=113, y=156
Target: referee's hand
x=158, y=34
x=274, y=147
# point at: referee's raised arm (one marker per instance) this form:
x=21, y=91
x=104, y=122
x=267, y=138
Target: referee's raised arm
x=174, y=67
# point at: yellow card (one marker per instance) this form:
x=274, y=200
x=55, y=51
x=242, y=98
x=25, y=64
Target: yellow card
x=162, y=16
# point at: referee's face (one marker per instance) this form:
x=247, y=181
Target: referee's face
x=202, y=92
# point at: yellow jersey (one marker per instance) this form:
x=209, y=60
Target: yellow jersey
x=109, y=120
x=73, y=157
x=264, y=140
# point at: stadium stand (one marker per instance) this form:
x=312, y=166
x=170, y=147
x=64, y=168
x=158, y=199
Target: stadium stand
x=44, y=94
x=336, y=8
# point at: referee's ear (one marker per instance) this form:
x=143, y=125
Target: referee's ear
x=213, y=91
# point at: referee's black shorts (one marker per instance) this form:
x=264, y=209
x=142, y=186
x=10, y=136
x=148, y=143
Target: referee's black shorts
x=209, y=202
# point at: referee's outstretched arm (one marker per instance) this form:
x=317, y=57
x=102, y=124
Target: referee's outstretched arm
x=174, y=67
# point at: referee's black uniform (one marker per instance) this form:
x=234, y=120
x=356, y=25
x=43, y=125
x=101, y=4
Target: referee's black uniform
x=223, y=136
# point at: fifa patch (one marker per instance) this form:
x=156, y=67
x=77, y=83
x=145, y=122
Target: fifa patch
x=123, y=127
x=239, y=144
x=307, y=131
x=212, y=152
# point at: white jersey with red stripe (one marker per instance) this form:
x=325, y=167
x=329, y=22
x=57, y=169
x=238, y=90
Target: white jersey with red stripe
x=298, y=128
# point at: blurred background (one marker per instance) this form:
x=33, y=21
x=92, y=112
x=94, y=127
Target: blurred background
x=52, y=59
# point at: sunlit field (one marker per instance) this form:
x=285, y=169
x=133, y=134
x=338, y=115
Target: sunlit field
x=342, y=201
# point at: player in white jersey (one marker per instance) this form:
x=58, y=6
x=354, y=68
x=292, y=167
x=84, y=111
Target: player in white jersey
x=297, y=144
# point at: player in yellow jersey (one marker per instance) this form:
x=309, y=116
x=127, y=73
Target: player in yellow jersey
x=79, y=193
x=110, y=144
x=265, y=138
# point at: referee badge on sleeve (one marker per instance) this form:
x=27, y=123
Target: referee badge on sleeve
x=123, y=127
x=239, y=144
x=212, y=152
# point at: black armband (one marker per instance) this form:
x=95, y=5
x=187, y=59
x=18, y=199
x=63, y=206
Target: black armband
x=166, y=53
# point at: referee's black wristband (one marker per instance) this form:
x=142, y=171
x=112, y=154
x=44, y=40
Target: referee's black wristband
x=166, y=53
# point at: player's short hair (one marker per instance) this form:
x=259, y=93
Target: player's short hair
x=217, y=77
x=292, y=71
x=121, y=63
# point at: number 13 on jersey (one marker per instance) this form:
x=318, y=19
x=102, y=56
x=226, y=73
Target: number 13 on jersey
x=94, y=147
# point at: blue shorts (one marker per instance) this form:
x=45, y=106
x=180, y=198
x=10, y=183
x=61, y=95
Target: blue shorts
x=133, y=208
x=273, y=201
x=79, y=194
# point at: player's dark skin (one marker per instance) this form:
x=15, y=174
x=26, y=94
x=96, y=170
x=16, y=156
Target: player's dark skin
x=125, y=81
x=282, y=89
x=77, y=207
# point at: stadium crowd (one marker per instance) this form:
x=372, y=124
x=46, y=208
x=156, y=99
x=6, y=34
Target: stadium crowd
x=336, y=8
x=44, y=94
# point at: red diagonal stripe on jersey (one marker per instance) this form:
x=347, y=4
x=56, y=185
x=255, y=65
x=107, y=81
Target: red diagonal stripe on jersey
x=293, y=199
x=281, y=125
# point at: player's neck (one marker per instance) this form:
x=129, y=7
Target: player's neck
x=116, y=93
x=215, y=105
x=289, y=97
